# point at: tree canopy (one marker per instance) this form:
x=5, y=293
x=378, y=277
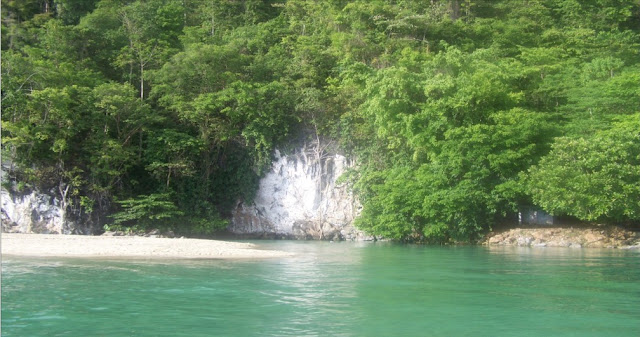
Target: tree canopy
x=459, y=112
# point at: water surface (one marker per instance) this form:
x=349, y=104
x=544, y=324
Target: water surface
x=331, y=289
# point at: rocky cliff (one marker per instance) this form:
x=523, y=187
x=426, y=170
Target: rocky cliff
x=301, y=198
x=33, y=213
x=41, y=212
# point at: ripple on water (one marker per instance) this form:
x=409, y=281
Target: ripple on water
x=331, y=290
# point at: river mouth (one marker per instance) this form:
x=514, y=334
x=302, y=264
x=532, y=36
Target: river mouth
x=331, y=289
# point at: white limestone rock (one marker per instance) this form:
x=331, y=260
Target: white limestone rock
x=33, y=213
x=300, y=198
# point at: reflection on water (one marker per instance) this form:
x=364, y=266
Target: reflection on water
x=303, y=284
x=331, y=289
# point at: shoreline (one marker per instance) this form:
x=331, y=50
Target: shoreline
x=129, y=247
x=558, y=236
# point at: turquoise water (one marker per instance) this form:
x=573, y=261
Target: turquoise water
x=331, y=289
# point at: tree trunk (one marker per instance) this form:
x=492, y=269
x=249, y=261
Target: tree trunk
x=64, y=190
x=454, y=9
x=141, y=80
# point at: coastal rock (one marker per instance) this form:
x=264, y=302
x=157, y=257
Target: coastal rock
x=587, y=237
x=33, y=213
x=300, y=198
x=30, y=210
x=524, y=241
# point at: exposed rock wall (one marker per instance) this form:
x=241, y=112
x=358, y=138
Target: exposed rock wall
x=33, y=213
x=42, y=213
x=300, y=198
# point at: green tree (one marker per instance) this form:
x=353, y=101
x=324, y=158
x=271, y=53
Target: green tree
x=594, y=177
x=152, y=29
x=120, y=122
x=146, y=211
x=447, y=105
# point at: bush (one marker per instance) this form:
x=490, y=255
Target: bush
x=593, y=178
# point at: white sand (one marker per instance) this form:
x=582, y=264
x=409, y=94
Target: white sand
x=129, y=246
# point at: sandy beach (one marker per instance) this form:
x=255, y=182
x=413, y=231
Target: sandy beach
x=129, y=247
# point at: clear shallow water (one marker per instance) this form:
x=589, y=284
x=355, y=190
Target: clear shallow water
x=331, y=289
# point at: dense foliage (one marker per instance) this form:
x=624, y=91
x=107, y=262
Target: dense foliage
x=459, y=111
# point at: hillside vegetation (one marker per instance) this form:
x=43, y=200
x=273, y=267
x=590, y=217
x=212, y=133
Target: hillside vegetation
x=166, y=112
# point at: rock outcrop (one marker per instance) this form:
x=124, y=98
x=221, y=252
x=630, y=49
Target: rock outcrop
x=33, y=213
x=300, y=198
x=597, y=237
x=40, y=212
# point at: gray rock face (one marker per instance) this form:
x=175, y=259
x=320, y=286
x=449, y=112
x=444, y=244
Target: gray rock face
x=300, y=198
x=42, y=211
x=33, y=213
